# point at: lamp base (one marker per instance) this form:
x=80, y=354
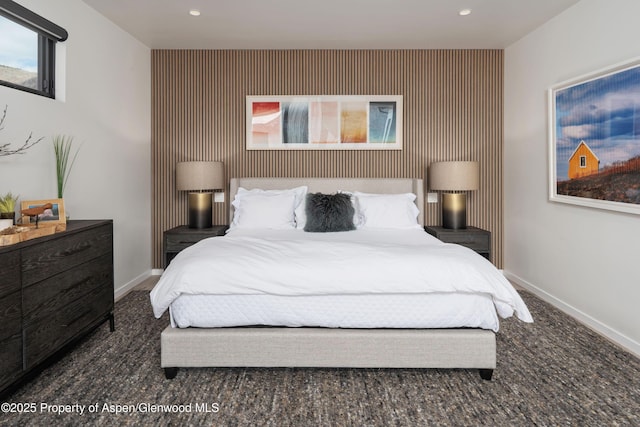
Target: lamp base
x=200, y=210
x=454, y=210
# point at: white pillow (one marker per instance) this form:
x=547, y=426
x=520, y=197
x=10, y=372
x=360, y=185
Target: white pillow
x=273, y=211
x=387, y=210
x=243, y=194
x=301, y=214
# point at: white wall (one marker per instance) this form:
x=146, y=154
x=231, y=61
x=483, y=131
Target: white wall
x=584, y=260
x=105, y=104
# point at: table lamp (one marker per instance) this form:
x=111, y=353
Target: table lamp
x=199, y=179
x=454, y=177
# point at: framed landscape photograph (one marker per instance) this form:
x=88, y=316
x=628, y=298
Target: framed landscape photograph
x=324, y=122
x=594, y=140
x=52, y=211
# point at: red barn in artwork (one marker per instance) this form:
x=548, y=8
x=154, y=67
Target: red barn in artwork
x=583, y=162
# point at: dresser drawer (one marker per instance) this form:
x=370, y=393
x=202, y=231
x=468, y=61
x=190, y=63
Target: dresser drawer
x=10, y=315
x=10, y=273
x=10, y=334
x=179, y=241
x=42, y=261
x=44, y=335
x=176, y=245
x=10, y=359
x=47, y=297
x=471, y=240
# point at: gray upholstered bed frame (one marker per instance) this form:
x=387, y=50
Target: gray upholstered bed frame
x=325, y=347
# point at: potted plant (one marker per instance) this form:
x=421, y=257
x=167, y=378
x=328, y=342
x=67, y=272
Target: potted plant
x=8, y=206
x=62, y=147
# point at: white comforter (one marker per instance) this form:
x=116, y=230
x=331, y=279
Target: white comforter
x=293, y=262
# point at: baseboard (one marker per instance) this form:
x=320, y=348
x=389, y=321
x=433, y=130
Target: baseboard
x=157, y=272
x=127, y=287
x=593, y=324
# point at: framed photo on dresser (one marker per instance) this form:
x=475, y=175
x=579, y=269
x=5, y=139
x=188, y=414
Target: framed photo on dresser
x=50, y=211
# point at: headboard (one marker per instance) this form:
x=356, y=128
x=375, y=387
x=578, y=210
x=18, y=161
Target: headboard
x=331, y=185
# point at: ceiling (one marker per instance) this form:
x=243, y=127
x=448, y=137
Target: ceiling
x=329, y=24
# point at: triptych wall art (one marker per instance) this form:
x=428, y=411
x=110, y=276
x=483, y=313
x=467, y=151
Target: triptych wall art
x=324, y=122
x=594, y=136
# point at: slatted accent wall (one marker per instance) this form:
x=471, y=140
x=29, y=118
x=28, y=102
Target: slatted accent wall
x=453, y=105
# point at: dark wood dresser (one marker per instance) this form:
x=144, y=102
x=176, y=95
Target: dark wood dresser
x=53, y=291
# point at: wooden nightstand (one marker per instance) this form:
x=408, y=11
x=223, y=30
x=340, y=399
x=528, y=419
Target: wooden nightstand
x=178, y=238
x=472, y=237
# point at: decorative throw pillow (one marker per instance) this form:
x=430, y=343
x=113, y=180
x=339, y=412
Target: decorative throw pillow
x=329, y=212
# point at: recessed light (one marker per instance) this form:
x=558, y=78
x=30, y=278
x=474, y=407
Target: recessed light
x=194, y=12
x=464, y=12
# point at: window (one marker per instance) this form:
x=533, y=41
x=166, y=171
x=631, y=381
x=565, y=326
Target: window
x=27, y=49
x=583, y=161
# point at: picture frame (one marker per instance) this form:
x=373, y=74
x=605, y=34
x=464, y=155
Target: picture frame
x=594, y=139
x=55, y=215
x=324, y=122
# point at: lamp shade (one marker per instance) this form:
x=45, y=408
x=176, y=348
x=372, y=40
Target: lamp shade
x=454, y=176
x=199, y=176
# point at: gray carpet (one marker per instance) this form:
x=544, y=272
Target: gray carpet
x=553, y=372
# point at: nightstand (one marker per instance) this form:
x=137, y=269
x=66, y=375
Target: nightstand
x=472, y=237
x=178, y=238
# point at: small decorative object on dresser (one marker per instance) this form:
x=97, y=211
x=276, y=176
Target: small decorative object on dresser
x=178, y=238
x=38, y=218
x=53, y=291
x=50, y=211
x=472, y=237
x=8, y=207
x=5, y=223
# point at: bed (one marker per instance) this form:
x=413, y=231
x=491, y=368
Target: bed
x=384, y=294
